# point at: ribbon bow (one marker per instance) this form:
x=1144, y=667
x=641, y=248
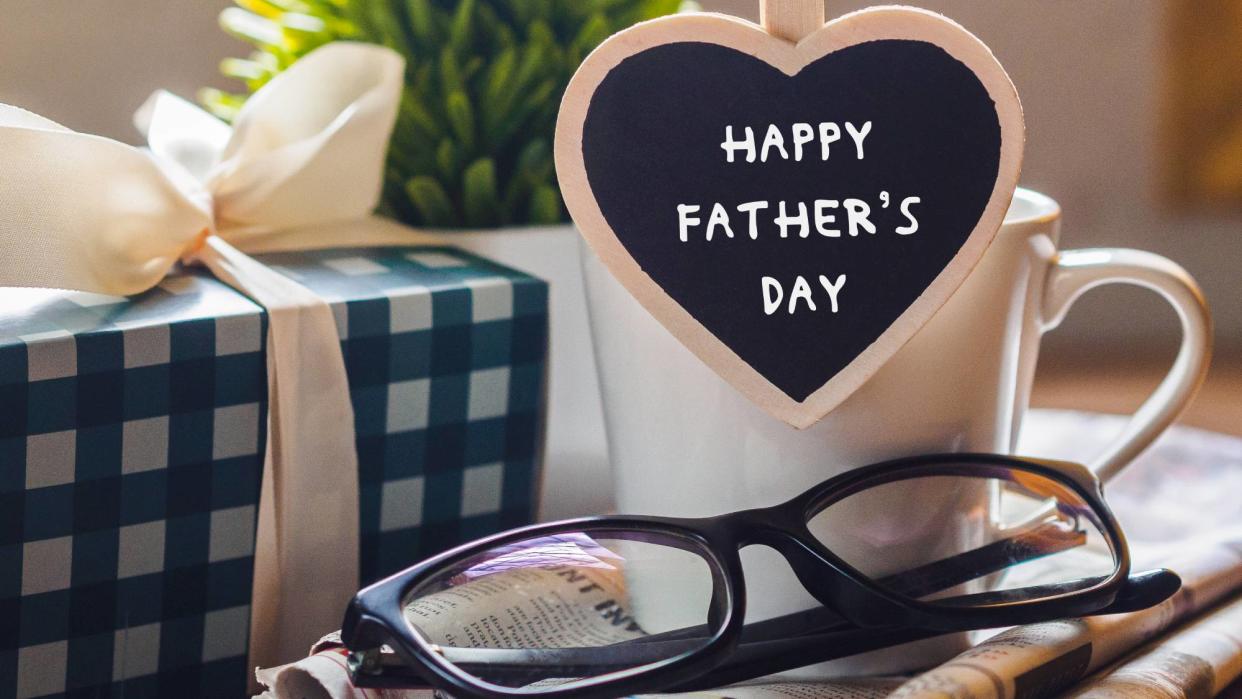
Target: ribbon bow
x=92, y=214
x=87, y=213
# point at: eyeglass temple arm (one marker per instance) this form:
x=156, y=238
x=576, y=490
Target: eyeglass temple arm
x=756, y=659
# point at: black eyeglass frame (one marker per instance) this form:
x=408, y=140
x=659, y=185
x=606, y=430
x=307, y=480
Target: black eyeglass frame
x=375, y=616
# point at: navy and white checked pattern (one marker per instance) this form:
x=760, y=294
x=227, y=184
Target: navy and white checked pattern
x=131, y=440
x=445, y=354
x=130, y=457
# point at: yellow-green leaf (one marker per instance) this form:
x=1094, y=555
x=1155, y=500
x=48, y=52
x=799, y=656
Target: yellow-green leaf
x=545, y=205
x=431, y=201
x=479, y=198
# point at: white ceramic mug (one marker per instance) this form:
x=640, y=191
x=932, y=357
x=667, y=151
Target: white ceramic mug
x=683, y=442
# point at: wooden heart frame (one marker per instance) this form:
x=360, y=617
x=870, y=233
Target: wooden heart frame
x=859, y=27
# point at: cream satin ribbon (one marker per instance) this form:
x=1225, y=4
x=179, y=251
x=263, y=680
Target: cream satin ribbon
x=301, y=168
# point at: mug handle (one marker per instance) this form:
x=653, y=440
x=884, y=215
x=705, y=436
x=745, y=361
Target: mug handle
x=1073, y=272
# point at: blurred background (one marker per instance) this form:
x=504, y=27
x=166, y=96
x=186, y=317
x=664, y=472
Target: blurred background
x=1134, y=124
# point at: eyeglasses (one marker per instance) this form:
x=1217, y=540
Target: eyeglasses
x=895, y=552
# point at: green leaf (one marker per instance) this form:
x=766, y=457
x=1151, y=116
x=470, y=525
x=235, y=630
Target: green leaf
x=294, y=5
x=260, y=7
x=533, y=168
x=304, y=26
x=385, y=27
x=432, y=203
x=448, y=160
x=461, y=118
x=471, y=68
x=220, y=103
x=545, y=205
x=534, y=60
x=497, y=83
x=268, y=60
x=459, y=33
x=406, y=153
x=535, y=160
x=422, y=25
x=516, y=121
x=394, y=200
x=450, y=73
x=479, y=199
x=492, y=30
x=413, y=111
x=247, y=26
x=538, y=33
x=242, y=69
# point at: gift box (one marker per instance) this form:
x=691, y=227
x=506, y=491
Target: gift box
x=132, y=437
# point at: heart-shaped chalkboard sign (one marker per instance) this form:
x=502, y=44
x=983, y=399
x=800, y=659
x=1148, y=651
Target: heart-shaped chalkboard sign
x=793, y=214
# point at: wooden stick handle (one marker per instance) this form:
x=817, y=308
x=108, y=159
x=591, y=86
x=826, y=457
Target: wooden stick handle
x=791, y=19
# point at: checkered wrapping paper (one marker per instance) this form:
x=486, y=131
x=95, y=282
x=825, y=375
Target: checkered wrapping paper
x=445, y=354
x=131, y=441
x=130, y=457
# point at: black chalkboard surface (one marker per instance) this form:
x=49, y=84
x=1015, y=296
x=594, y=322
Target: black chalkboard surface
x=792, y=214
x=652, y=140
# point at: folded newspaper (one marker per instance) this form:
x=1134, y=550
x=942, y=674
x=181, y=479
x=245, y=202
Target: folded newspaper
x=1178, y=504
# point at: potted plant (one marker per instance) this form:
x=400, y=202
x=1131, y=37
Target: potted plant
x=471, y=155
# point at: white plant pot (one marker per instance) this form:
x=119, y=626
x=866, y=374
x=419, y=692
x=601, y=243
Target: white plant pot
x=576, y=478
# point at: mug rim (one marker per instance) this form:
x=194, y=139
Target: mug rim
x=1045, y=209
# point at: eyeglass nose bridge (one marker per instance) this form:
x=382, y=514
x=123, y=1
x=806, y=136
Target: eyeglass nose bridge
x=826, y=577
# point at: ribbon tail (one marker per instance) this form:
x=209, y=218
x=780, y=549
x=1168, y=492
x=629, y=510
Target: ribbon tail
x=306, y=551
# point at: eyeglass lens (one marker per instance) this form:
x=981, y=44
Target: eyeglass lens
x=568, y=607
x=969, y=537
